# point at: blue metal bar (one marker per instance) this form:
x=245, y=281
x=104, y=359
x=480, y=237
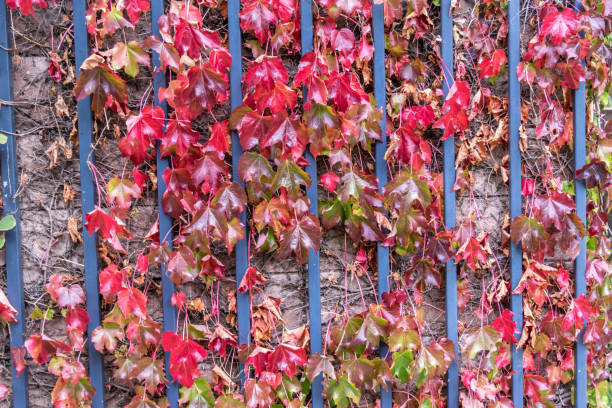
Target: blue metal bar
x=8, y=165
x=580, y=394
x=165, y=221
x=88, y=189
x=449, y=206
x=382, y=253
x=516, y=258
x=242, y=260
x=314, y=273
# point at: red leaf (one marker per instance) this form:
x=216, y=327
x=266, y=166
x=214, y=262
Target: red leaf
x=65, y=296
x=251, y=277
x=135, y=8
x=178, y=300
x=347, y=6
x=111, y=280
x=535, y=386
x=471, y=251
x=265, y=71
x=277, y=99
x=345, y=90
x=77, y=319
x=530, y=233
x=139, y=177
x=54, y=69
x=203, y=88
x=100, y=221
x=330, y=180
x=18, y=355
x=597, y=270
x=301, y=236
x=190, y=40
x=259, y=359
x=182, y=265
x=185, y=354
x=141, y=128
x=594, y=174
x=210, y=170
x=490, y=67
x=288, y=133
x=256, y=18
x=219, y=140
x=455, y=117
x=178, y=138
x=573, y=73
x=142, y=264
x=287, y=358
x=258, y=394
x=418, y=115
x=560, y=25
x=42, y=348
x=343, y=42
x=527, y=187
x=506, y=326
x=212, y=266
x=220, y=339
x=121, y=192
x=579, y=310
x=99, y=81
x=220, y=59
x=132, y=302
x=411, y=148
x=7, y=311
x=26, y=6
x=552, y=209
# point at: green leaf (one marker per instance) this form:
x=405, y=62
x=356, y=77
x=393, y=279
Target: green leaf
x=341, y=391
x=199, y=395
x=7, y=223
x=229, y=402
x=3, y=138
x=480, y=338
x=38, y=314
x=401, y=365
x=128, y=56
x=406, y=188
x=529, y=232
x=290, y=176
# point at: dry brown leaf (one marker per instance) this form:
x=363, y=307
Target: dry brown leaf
x=196, y=305
x=61, y=109
x=69, y=193
x=65, y=148
x=73, y=230
x=52, y=153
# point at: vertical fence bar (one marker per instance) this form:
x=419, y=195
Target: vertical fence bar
x=235, y=49
x=8, y=165
x=165, y=221
x=449, y=205
x=382, y=253
x=580, y=394
x=516, y=258
x=314, y=273
x=90, y=250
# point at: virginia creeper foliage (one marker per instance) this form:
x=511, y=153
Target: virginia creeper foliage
x=324, y=104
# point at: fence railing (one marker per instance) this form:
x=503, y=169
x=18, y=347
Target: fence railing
x=8, y=163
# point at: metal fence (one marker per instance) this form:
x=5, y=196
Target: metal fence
x=8, y=163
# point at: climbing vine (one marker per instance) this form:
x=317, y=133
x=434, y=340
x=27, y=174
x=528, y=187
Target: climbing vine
x=324, y=105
